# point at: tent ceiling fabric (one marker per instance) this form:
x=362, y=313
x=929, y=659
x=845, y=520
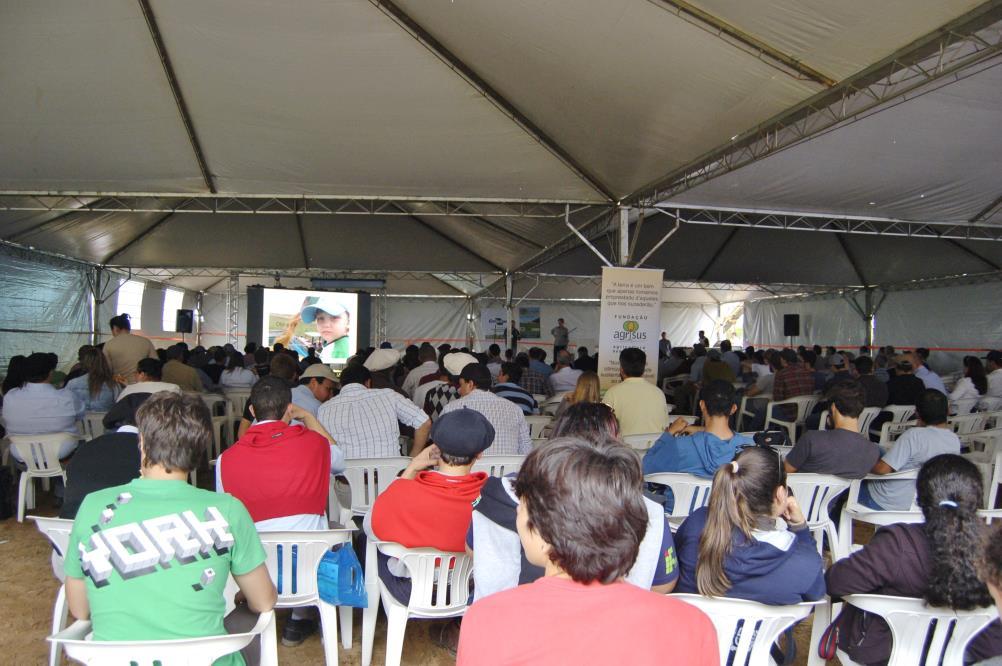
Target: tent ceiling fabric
x=85, y=102
x=935, y=158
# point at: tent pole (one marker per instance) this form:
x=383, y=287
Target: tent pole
x=624, y=236
x=509, y=310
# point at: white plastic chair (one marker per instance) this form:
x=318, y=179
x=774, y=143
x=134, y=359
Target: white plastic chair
x=367, y=478
x=690, y=492
x=922, y=634
x=746, y=630
x=57, y=531
x=866, y=417
x=804, y=405
x=537, y=423
x=93, y=424
x=440, y=588
x=188, y=651
x=642, y=441
x=744, y=412
x=498, y=465
x=816, y=493
x=293, y=560
x=40, y=454
x=899, y=414
x=552, y=404
x=235, y=399
x=963, y=406
x=853, y=510
x=967, y=423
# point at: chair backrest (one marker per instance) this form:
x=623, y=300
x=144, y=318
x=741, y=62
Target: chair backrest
x=642, y=441
x=293, y=558
x=188, y=651
x=552, y=404
x=900, y=413
x=40, y=453
x=964, y=405
x=237, y=399
x=537, y=423
x=853, y=506
x=866, y=418
x=816, y=492
x=690, y=492
x=93, y=424
x=923, y=634
x=428, y=569
x=746, y=630
x=967, y=423
x=804, y=403
x=891, y=430
x=57, y=531
x=498, y=465
x=368, y=477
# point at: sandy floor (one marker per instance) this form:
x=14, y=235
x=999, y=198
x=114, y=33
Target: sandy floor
x=29, y=590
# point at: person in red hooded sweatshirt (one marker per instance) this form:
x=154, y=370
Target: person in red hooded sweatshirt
x=432, y=508
x=281, y=473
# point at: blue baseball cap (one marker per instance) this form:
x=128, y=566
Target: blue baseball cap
x=463, y=433
x=328, y=304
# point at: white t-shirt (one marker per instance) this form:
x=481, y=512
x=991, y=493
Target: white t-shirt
x=912, y=449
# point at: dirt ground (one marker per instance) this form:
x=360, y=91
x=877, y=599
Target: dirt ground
x=29, y=590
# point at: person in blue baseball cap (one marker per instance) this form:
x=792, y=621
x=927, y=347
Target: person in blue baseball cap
x=332, y=320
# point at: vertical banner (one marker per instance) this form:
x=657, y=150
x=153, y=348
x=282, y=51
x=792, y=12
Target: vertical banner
x=631, y=317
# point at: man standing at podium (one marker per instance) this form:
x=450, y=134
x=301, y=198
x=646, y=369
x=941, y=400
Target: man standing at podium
x=559, y=333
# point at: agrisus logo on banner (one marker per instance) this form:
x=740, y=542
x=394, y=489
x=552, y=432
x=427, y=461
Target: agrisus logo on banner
x=631, y=317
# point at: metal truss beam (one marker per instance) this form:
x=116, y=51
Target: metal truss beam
x=834, y=224
x=175, y=88
x=988, y=211
x=953, y=52
x=426, y=39
x=593, y=227
x=124, y=202
x=745, y=42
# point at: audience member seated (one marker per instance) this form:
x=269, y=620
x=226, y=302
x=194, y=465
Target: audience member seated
x=698, y=360
x=587, y=389
x=148, y=376
x=78, y=368
x=840, y=372
x=874, y=390
x=990, y=566
x=316, y=386
x=262, y=362
x=841, y=450
x=429, y=366
x=581, y=518
x=381, y=365
x=284, y=366
x=281, y=473
x=935, y=560
x=730, y=357
x=507, y=387
x=494, y=361
x=993, y=365
x=904, y=388
x=930, y=379
x=673, y=364
x=532, y=380
x=969, y=390
x=584, y=362
x=441, y=380
x=39, y=408
x=715, y=369
x=16, y=369
x=880, y=370
x=236, y=375
x=177, y=595
x=816, y=367
x=176, y=372
x=639, y=405
x=763, y=385
x=511, y=431
x=447, y=390
x=537, y=361
x=96, y=388
x=125, y=349
x=109, y=460
x=733, y=548
x=564, y=378
x=793, y=379
x=930, y=438
x=217, y=363
x=700, y=450
x=366, y=422
x=431, y=508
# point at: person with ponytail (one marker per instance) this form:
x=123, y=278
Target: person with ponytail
x=733, y=547
x=935, y=560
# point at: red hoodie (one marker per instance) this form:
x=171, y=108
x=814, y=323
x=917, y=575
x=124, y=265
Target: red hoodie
x=430, y=511
x=278, y=470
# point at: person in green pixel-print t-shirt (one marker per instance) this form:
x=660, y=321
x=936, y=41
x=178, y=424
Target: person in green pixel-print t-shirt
x=151, y=558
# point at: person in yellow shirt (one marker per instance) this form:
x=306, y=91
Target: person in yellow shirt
x=640, y=406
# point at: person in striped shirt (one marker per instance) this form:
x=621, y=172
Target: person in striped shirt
x=509, y=389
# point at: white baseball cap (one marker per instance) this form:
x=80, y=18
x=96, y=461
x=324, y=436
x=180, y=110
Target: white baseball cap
x=328, y=304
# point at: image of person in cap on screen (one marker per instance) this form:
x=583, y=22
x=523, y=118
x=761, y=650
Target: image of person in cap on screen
x=332, y=321
x=431, y=504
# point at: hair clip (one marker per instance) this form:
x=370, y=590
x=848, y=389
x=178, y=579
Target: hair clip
x=948, y=503
x=734, y=466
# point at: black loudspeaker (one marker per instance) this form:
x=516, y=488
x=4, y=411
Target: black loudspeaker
x=791, y=325
x=185, y=321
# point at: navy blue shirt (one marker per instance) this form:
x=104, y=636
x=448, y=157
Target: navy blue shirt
x=775, y=567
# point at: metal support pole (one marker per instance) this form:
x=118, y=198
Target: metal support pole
x=868, y=296
x=509, y=310
x=657, y=246
x=624, y=236
x=381, y=310
x=471, y=330
x=199, y=300
x=232, y=308
x=582, y=237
